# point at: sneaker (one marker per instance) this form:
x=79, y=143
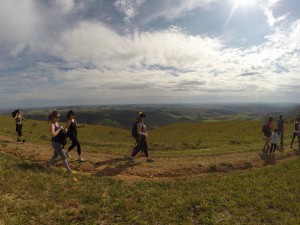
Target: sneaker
x=150, y=160
x=23, y=141
x=18, y=140
x=72, y=172
x=81, y=159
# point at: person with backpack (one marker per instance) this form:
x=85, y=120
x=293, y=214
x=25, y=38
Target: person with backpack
x=296, y=131
x=139, y=132
x=58, y=140
x=267, y=131
x=280, y=126
x=19, y=125
x=72, y=126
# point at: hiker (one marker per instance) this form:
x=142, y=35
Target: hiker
x=58, y=134
x=139, y=131
x=274, y=140
x=19, y=118
x=296, y=132
x=280, y=126
x=72, y=126
x=267, y=131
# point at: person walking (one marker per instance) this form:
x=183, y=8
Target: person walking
x=57, y=140
x=280, y=126
x=267, y=131
x=274, y=140
x=71, y=127
x=296, y=132
x=19, y=124
x=139, y=130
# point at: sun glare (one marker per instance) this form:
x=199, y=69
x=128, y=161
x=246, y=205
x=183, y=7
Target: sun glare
x=244, y=3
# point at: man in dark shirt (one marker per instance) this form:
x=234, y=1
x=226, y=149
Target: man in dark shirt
x=280, y=126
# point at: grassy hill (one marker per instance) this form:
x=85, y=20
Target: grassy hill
x=32, y=194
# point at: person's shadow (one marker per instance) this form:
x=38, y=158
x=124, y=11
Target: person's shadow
x=35, y=167
x=109, y=162
x=268, y=159
x=116, y=170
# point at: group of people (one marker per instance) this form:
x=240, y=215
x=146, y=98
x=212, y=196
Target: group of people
x=272, y=134
x=59, y=136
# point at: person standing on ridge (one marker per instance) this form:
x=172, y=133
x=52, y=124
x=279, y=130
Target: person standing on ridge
x=19, y=125
x=280, y=127
x=267, y=131
x=296, y=132
x=72, y=126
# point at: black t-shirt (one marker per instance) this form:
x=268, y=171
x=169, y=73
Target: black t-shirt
x=72, y=129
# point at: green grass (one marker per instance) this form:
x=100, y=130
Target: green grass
x=213, y=138
x=30, y=194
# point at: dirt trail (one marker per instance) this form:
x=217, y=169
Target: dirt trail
x=103, y=164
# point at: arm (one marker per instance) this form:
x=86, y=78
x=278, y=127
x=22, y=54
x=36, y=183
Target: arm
x=68, y=124
x=53, y=132
x=139, y=131
x=79, y=126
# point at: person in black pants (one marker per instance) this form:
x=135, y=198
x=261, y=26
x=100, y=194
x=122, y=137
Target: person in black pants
x=72, y=133
x=296, y=132
x=141, y=144
x=19, y=124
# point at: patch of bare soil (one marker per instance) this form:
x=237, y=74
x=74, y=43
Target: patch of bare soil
x=109, y=165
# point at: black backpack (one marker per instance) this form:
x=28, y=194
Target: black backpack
x=134, y=132
x=266, y=128
x=62, y=137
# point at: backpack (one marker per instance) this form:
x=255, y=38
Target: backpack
x=14, y=113
x=134, y=129
x=266, y=128
x=62, y=137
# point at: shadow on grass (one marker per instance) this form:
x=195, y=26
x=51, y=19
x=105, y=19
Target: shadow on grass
x=36, y=167
x=109, y=162
x=268, y=159
x=116, y=170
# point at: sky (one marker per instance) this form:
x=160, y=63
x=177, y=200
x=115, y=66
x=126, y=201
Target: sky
x=85, y=52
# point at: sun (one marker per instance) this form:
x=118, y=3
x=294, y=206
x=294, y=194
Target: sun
x=244, y=3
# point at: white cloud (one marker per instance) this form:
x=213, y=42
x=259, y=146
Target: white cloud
x=65, y=6
x=173, y=9
x=129, y=8
x=105, y=64
x=270, y=17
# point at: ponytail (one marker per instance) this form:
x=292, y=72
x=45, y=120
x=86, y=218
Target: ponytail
x=53, y=115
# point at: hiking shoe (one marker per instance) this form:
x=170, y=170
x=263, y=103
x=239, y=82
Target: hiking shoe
x=81, y=159
x=18, y=140
x=72, y=172
x=150, y=160
x=23, y=141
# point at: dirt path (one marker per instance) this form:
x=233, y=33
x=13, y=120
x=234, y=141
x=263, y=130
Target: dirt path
x=102, y=164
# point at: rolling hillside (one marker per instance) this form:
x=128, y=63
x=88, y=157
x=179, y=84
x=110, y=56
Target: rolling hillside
x=204, y=173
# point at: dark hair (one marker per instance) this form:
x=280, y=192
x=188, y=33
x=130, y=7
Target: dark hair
x=276, y=129
x=280, y=116
x=271, y=119
x=14, y=113
x=53, y=115
x=71, y=112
